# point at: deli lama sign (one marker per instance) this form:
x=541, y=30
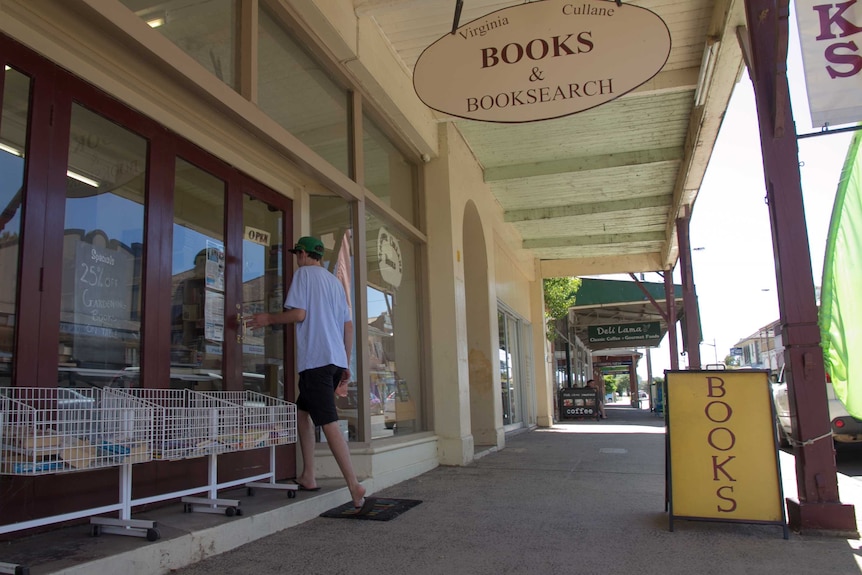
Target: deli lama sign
x=542, y=60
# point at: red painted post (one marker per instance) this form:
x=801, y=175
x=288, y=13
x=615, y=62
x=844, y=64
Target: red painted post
x=691, y=333
x=818, y=506
x=670, y=302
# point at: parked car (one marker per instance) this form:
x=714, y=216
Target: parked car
x=846, y=429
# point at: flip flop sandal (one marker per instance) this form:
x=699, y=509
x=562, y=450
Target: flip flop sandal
x=365, y=508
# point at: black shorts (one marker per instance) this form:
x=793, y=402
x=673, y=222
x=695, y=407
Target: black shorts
x=317, y=393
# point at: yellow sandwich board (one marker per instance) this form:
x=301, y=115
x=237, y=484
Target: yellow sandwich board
x=722, y=449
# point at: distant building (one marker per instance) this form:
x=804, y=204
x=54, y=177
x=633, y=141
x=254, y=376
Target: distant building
x=763, y=349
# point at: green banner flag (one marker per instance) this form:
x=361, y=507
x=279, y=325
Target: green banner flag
x=840, y=304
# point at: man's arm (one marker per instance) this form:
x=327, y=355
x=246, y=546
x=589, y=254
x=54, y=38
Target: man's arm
x=348, y=340
x=348, y=347
x=294, y=315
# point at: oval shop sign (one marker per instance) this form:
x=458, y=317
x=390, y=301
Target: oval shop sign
x=542, y=60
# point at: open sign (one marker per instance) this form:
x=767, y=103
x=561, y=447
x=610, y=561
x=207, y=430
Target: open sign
x=256, y=236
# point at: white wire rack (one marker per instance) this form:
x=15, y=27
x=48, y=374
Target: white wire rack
x=266, y=422
x=127, y=428
x=52, y=430
x=60, y=430
x=222, y=419
x=56, y=430
x=188, y=424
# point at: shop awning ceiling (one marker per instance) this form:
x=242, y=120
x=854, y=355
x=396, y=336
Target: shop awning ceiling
x=608, y=302
x=600, y=191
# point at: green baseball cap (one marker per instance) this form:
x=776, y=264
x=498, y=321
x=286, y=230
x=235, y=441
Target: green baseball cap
x=308, y=244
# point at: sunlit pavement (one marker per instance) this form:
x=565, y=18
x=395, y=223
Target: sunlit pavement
x=582, y=497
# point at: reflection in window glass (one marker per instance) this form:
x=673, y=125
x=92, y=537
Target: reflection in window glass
x=393, y=332
x=262, y=291
x=204, y=29
x=300, y=96
x=388, y=174
x=510, y=367
x=198, y=282
x=331, y=219
x=103, y=248
x=13, y=134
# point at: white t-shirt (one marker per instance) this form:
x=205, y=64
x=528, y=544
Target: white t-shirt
x=320, y=337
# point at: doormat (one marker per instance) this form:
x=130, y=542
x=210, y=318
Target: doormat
x=384, y=509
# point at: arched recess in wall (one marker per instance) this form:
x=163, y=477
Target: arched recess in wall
x=482, y=362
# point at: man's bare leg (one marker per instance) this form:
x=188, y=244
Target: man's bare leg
x=340, y=450
x=305, y=430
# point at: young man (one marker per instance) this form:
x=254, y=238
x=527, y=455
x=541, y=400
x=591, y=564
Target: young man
x=317, y=304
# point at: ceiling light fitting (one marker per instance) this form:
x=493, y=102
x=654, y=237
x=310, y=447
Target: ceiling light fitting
x=83, y=179
x=11, y=150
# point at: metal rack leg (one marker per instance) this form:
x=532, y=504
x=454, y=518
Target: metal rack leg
x=125, y=525
x=212, y=504
x=291, y=489
x=13, y=569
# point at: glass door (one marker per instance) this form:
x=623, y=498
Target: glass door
x=103, y=249
x=197, y=279
x=263, y=279
x=14, y=115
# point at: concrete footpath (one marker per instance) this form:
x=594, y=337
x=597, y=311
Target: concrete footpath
x=582, y=497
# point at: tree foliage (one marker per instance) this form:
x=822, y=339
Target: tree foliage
x=610, y=384
x=559, y=297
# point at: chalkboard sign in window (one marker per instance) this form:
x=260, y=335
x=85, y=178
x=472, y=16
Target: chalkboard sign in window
x=100, y=327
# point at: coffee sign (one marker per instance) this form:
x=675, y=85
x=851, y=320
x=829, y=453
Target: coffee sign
x=542, y=60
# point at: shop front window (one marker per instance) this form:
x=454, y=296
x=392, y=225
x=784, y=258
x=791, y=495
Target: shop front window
x=204, y=29
x=198, y=279
x=103, y=248
x=388, y=174
x=395, y=399
x=297, y=92
x=13, y=135
x=510, y=367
